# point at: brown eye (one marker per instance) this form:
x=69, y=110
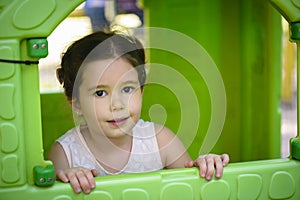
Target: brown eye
x=100, y=93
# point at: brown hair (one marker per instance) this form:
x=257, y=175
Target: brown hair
x=99, y=45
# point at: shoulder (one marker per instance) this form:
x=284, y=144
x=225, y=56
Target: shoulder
x=57, y=156
x=70, y=136
x=164, y=135
x=56, y=149
x=63, y=141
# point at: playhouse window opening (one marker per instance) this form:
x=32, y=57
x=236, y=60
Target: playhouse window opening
x=64, y=35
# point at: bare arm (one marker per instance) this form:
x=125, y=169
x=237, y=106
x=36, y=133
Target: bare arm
x=174, y=155
x=172, y=151
x=58, y=157
x=79, y=177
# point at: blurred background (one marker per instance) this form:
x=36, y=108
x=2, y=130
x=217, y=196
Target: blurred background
x=97, y=15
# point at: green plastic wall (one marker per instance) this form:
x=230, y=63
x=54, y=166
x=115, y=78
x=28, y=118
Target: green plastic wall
x=243, y=38
x=276, y=179
x=55, y=123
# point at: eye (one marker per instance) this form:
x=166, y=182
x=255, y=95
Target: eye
x=128, y=89
x=100, y=93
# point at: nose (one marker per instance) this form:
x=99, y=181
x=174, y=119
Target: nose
x=117, y=102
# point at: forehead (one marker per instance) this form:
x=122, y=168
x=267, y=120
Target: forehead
x=108, y=70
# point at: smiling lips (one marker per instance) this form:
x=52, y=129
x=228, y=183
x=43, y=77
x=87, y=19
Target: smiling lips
x=118, y=122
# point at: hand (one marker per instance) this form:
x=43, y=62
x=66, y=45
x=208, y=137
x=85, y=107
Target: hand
x=80, y=178
x=207, y=163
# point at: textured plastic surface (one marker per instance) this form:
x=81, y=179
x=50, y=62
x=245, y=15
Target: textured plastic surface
x=273, y=179
x=21, y=146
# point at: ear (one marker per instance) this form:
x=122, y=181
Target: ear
x=76, y=106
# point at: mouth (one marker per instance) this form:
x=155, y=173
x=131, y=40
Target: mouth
x=117, y=122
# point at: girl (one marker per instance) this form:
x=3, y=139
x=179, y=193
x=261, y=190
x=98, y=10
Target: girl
x=103, y=76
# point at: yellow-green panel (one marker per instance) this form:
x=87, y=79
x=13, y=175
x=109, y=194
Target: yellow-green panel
x=244, y=40
x=272, y=179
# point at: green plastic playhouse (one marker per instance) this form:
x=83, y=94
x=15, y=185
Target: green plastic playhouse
x=243, y=39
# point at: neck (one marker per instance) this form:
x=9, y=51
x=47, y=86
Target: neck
x=104, y=143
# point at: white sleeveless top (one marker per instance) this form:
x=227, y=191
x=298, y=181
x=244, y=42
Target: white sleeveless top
x=145, y=156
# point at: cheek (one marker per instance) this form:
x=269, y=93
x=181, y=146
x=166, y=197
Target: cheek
x=135, y=103
x=92, y=108
x=89, y=110
x=101, y=107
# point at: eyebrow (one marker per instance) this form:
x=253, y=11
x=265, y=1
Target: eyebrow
x=131, y=82
x=98, y=87
x=106, y=86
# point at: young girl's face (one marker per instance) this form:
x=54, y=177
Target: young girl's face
x=110, y=97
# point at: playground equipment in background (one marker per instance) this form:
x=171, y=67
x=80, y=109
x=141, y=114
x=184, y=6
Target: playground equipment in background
x=25, y=174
